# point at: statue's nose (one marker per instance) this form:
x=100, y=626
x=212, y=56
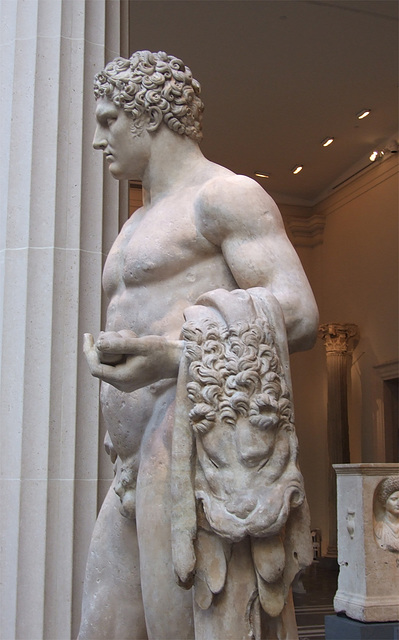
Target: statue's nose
x=99, y=141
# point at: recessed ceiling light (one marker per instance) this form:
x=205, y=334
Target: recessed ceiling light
x=297, y=169
x=327, y=141
x=260, y=174
x=363, y=114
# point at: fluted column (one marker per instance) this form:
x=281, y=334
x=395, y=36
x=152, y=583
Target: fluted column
x=339, y=341
x=54, y=229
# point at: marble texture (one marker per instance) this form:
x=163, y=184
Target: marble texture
x=368, y=582
x=386, y=514
x=248, y=520
x=190, y=248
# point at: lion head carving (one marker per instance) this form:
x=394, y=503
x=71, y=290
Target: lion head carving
x=235, y=478
x=242, y=417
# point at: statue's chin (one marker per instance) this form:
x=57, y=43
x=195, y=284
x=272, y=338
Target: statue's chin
x=266, y=519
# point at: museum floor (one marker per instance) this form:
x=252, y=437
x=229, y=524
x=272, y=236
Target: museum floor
x=313, y=598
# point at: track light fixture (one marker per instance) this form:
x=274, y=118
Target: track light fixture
x=261, y=174
x=381, y=154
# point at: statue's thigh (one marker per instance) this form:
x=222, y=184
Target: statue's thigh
x=168, y=607
x=112, y=604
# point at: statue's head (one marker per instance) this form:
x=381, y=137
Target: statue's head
x=386, y=488
x=387, y=494
x=148, y=81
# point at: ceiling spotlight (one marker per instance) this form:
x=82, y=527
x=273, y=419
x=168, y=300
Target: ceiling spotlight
x=262, y=175
x=327, y=141
x=297, y=169
x=377, y=155
x=363, y=114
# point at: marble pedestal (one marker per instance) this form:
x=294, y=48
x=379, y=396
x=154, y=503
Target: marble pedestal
x=368, y=582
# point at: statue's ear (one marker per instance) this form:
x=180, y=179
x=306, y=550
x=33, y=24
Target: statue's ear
x=155, y=118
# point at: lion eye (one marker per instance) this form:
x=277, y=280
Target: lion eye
x=214, y=463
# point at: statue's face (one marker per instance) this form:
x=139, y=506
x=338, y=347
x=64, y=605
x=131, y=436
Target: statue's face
x=126, y=152
x=392, y=504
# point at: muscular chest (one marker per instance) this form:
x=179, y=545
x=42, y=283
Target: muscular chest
x=154, y=246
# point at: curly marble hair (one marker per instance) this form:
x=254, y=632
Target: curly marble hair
x=236, y=371
x=147, y=80
x=386, y=488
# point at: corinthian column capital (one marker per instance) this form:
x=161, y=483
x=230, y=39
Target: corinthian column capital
x=339, y=339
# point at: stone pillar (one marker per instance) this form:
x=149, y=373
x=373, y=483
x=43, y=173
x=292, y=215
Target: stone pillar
x=339, y=341
x=54, y=196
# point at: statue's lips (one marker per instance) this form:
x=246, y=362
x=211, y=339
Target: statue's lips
x=266, y=519
x=109, y=157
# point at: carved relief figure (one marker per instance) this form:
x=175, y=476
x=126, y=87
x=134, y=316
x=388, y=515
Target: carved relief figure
x=386, y=514
x=202, y=231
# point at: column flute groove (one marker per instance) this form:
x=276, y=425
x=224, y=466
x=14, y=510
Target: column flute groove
x=53, y=234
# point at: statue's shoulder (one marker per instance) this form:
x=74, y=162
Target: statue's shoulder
x=226, y=200
x=223, y=186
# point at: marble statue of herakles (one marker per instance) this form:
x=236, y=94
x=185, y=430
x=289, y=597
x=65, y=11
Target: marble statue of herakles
x=206, y=523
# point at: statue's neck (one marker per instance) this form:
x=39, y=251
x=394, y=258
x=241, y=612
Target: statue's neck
x=173, y=162
x=392, y=521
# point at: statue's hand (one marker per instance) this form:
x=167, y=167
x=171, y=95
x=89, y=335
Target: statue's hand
x=138, y=361
x=112, y=346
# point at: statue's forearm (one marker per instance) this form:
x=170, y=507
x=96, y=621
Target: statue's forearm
x=301, y=321
x=147, y=360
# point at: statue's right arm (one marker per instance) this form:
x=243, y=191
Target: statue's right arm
x=236, y=214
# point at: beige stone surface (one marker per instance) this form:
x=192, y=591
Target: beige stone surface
x=368, y=583
x=51, y=256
